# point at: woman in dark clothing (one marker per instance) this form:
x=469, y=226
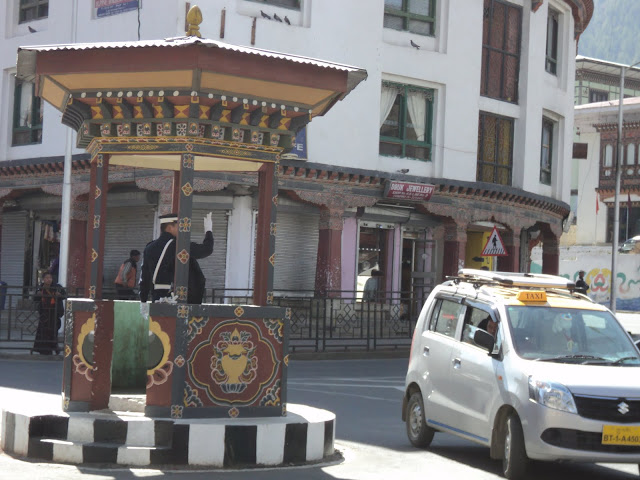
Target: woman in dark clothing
x=50, y=307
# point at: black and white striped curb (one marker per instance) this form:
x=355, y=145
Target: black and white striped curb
x=305, y=435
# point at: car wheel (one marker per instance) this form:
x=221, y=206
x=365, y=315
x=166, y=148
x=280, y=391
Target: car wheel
x=514, y=461
x=420, y=434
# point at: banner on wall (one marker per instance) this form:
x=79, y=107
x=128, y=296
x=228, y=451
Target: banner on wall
x=105, y=8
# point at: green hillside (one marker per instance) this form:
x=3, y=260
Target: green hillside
x=614, y=32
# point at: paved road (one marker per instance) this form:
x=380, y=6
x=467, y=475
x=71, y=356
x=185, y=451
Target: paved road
x=365, y=394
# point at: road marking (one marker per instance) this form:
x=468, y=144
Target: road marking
x=368, y=397
x=323, y=384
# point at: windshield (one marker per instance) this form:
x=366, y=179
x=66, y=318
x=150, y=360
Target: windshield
x=570, y=336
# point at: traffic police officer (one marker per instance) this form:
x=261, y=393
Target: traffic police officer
x=158, y=264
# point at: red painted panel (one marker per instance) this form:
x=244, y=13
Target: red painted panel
x=162, y=361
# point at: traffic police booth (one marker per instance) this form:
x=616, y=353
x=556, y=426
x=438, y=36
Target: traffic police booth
x=188, y=105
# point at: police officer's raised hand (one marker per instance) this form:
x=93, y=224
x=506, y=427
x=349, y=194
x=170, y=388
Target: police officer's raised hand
x=208, y=223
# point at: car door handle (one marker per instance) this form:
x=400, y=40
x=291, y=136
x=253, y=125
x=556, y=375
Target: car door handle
x=456, y=363
x=425, y=352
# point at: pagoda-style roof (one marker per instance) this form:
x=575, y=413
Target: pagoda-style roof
x=238, y=106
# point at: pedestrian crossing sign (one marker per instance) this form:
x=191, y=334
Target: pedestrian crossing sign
x=494, y=246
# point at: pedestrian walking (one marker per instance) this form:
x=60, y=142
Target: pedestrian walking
x=581, y=285
x=49, y=297
x=127, y=276
x=158, y=263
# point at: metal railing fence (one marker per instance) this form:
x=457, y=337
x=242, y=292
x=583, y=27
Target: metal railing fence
x=335, y=321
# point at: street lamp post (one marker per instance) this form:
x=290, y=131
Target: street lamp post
x=616, y=203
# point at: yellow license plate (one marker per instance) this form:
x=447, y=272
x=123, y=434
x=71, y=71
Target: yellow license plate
x=617, y=435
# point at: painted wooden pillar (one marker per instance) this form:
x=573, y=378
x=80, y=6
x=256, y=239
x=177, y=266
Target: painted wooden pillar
x=175, y=193
x=510, y=262
x=76, y=266
x=97, y=221
x=266, y=250
x=455, y=244
x=329, y=260
x=102, y=355
x=183, y=241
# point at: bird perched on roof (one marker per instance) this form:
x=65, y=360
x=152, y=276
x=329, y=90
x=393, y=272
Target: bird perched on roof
x=264, y=15
x=415, y=45
x=286, y=20
x=276, y=17
x=403, y=170
x=32, y=30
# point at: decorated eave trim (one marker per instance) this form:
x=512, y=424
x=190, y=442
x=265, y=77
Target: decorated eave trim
x=582, y=11
x=292, y=170
x=612, y=127
x=291, y=109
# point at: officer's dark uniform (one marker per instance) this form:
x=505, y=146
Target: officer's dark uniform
x=164, y=279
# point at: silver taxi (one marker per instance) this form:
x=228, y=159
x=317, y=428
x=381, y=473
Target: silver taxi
x=528, y=367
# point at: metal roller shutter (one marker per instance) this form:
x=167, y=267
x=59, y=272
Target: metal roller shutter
x=14, y=229
x=296, y=251
x=127, y=228
x=214, y=266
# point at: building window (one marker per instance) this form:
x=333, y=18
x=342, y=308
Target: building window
x=551, y=64
x=406, y=114
x=631, y=154
x=415, y=16
x=546, y=151
x=501, y=32
x=27, y=115
x=598, y=96
x=33, y=10
x=293, y=4
x=495, y=149
x=608, y=155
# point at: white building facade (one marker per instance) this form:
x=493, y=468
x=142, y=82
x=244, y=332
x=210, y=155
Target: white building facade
x=467, y=111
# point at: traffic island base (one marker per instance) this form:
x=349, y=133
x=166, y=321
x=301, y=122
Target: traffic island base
x=306, y=435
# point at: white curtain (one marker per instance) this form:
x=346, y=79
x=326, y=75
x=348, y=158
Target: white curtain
x=26, y=97
x=387, y=99
x=417, y=106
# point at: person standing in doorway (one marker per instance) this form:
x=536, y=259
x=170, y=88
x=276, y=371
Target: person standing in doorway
x=372, y=287
x=50, y=308
x=127, y=276
x=158, y=262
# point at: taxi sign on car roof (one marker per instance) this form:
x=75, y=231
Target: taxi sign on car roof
x=532, y=296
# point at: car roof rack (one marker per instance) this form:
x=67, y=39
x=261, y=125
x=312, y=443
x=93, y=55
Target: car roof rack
x=513, y=279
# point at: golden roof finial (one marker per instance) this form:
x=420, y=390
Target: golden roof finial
x=194, y=18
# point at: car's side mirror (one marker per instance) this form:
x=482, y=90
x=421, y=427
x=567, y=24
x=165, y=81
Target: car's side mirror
x=484, y=339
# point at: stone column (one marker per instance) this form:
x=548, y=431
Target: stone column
x=455, y=244
x=329, y=260
x=550, y=254
x=511, y=262
x=77, y=254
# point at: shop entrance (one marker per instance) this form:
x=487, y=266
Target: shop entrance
x=476, y=240
x=418, y=275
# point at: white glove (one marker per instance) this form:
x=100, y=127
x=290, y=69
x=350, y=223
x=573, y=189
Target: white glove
x=144, y=310
x=208, y=223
